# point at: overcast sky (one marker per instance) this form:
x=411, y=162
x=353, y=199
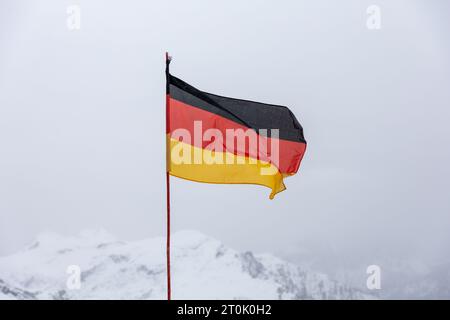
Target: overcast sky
x=82, y=121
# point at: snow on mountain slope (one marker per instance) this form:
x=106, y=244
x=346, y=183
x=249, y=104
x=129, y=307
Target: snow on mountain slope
x=202, y=268
x=8, y=292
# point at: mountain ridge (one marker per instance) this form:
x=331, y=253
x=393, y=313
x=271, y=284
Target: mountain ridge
x=202, y=268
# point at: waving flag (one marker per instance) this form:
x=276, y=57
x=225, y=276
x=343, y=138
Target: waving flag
x=215, y=139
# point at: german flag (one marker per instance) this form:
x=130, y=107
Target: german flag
x=215, y=139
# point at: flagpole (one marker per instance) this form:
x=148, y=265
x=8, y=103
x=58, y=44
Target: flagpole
x=167, y=174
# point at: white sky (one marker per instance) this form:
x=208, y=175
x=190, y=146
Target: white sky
x=82, y=121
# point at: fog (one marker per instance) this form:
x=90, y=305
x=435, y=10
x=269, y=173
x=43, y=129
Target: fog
x=82, y=122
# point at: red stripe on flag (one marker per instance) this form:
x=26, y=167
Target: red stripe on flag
x=182, y=116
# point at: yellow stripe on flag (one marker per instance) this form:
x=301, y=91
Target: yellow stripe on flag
x=186, y=164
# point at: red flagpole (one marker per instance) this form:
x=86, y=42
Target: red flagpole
x=167, y=175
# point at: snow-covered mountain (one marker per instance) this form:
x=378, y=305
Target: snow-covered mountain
x=202, y=268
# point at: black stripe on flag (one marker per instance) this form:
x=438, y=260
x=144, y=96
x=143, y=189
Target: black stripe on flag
x=251, y=114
